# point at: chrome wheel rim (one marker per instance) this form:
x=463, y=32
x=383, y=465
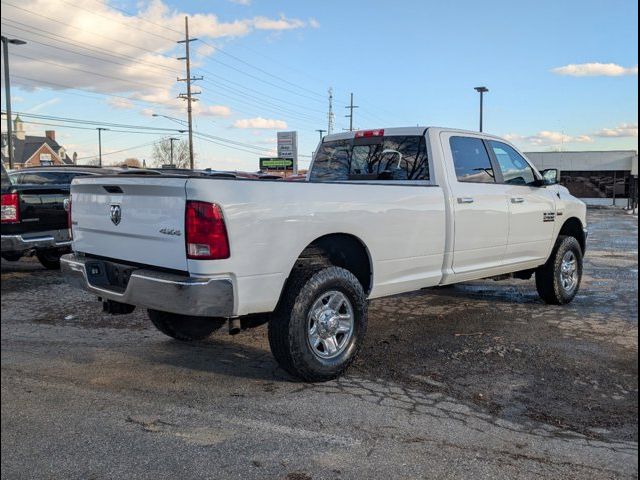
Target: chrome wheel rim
x=330, y=324
x=569, y=272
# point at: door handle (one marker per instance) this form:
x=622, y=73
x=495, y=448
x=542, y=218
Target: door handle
x=517, y=200
x=465, y=200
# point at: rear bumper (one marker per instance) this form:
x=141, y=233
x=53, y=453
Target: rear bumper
x=167, y=292
x=36, y=240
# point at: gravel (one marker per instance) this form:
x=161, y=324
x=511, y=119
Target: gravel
x=479, y=380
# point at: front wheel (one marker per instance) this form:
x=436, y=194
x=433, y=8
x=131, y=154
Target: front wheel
x=320, y=323
x=184, y=327
x=49, y=259
x=558, y=280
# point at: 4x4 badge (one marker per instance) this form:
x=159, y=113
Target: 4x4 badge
x=115, y=212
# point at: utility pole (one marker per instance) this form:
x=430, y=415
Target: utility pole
x=100, y=129
x=481, y=91
x=171, y=140
x=320, y=131
x=7, y=85
x=330, y=115
x=189, y=95
x=351, y=106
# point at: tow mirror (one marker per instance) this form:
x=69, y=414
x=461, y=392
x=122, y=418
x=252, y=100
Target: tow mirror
x=550, y=176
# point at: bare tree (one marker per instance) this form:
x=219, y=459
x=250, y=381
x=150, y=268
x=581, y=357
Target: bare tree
x=162, y=153
x=131, y=163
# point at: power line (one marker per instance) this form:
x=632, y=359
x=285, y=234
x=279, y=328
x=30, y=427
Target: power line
x=84, y=47
x=117, y=21
x=92, y=122
x=75, y=127
x=148, y=85
x=121, y=150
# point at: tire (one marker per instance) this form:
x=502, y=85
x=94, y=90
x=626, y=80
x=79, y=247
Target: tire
x=186, y=328
x=558, y=280
x=12, y=256
x=318, y=347
x=49, y=259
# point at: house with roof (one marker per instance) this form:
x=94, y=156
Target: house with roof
x=32, y=150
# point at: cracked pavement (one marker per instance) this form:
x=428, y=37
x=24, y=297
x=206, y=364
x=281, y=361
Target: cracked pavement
x=480, y=380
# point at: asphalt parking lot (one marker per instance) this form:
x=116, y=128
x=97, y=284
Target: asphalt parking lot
x=480, y=380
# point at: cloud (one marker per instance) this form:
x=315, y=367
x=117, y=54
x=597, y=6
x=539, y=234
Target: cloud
x=313, y=23
x=120, y=103
x=211, y=110
x=548, y=138
x=621, y=131
x=43, y=105
x=129, y=54
x=261, y=123
x=595, y=70
x=241, y=2
x=205, y=50
x=283, y=23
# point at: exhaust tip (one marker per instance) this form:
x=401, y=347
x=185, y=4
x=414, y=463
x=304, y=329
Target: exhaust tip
x=234, y=326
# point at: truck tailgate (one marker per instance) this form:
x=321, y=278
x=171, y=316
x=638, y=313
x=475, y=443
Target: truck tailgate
x=137, y=219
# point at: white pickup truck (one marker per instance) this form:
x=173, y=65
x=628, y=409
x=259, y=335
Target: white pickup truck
x=382, y=212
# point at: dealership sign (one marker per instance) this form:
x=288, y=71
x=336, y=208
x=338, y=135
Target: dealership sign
x=288, y=148
x=275, y=163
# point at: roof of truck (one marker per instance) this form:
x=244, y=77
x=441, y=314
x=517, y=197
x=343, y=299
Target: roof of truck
x=417, y=130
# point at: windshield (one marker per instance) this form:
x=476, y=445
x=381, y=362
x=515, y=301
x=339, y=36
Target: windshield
x=375, y=158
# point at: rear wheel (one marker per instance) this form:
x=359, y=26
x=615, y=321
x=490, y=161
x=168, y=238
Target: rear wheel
x=320, y=323
x=185, y=327
x=49, y=259
x=558, y=280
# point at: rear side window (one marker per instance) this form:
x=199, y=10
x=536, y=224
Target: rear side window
x=515, y=169
x=378, y=158
x=471, y=160
x=44, y=178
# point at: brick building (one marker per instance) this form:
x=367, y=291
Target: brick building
x=32, y=150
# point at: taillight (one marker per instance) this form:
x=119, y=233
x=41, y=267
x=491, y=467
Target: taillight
x=370, y=133
x=205, y=231
x=10, y=208
x=67, y=207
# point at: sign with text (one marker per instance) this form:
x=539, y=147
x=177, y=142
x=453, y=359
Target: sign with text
x=275, y=163
x=288, y=147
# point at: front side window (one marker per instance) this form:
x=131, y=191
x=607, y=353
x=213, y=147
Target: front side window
x=377, y=158
x=471, y=160
x=515, y=169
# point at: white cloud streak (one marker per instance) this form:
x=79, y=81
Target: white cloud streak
x=595, y=70
x=260, y=123
x=130, y=55
x=548, y=138
x=624, y=130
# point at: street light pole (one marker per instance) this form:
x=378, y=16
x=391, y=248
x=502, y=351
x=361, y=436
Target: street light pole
x=481, y=91
x=7, y=85
x=100, y=129
x=320, y=131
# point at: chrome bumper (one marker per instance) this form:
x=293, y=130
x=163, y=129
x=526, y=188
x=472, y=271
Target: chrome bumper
x=39, y=240
x=167, y=292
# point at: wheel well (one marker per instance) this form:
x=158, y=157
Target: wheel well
x=573, y=228
x=342, y=250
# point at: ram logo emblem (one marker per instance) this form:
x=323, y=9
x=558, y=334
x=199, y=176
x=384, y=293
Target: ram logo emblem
x=115, y=213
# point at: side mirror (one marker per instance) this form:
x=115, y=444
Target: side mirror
x=550, y=176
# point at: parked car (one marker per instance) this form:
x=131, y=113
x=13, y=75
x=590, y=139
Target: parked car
x=34, y=219
x=383, y=212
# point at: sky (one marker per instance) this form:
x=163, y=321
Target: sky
x=562, y=75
